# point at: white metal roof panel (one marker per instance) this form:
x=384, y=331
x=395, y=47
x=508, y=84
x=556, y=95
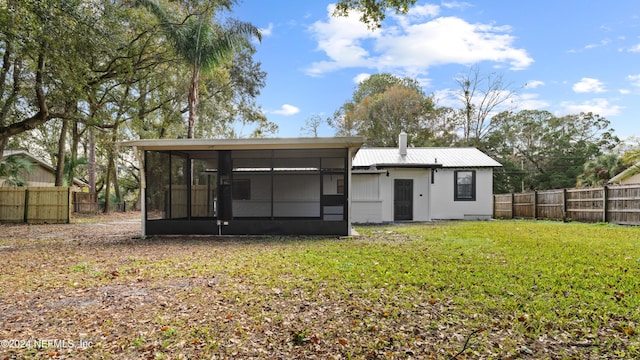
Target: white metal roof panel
x=445, y=157
x=353, y=142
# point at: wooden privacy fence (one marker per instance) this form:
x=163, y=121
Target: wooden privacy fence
x=613, y=204
x=85, y=202
x=35, y=204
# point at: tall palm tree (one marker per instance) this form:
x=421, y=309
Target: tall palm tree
x=202, y=45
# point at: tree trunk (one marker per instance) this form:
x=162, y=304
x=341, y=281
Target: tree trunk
x=3, y=145
x=113, y=155
x=73, y=156
x=193, y=102
x=92, y=161
x=107, y=186
x=61, y=147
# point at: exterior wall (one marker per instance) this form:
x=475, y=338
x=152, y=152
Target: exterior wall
x=372, y=200
x=373, y=195
x=294, y=195
x=366, y=203
x=443, y=205
x=635, y=179
x=38, y=177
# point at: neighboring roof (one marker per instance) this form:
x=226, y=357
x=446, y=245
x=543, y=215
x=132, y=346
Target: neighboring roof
x=353, y=142
x=627, y=176
x=423, y=157
x=40, y=162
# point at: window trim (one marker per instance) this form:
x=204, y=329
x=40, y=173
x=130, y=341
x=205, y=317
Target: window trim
x=474, y=185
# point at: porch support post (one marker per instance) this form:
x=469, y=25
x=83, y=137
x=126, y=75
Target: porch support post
x=143, y=187
x=347, y=174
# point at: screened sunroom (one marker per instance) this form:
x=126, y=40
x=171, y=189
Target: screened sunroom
x=246, y=186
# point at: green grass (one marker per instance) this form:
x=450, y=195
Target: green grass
x=513, y=289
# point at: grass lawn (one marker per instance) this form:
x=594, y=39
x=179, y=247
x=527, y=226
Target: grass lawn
x=479, y=290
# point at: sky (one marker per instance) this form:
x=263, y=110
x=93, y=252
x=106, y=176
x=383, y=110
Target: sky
x=566, y=57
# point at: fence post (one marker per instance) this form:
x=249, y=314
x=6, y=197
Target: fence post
x=605, y=203
x=564, y=205
x=513, y=205
x=535, y=204
x=26, y=205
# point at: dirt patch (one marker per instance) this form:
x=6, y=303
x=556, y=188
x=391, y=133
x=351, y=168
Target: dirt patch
x=85, y=227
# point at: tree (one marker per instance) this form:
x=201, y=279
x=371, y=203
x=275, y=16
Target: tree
x=202, y=45
x=383, y=106
x=373, y=11
x=598, y=171
x=481, y=95
x=550, y=151
x=311, y=125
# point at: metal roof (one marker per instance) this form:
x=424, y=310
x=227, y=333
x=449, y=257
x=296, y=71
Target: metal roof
x=423, y=157
x=353, y=142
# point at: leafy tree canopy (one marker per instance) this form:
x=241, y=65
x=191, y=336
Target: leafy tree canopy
x=373, y=11
x=383, y=106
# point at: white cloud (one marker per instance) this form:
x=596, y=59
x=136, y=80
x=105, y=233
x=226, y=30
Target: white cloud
x=598, y=106
x=599, y=44
x=634, y=80
x=532, y=84
x=634, y=49
x=361, y=77
x=287, y=110
x=455, y=4
x=413, y=44
x=423, y=11
x=624, y=91
x=447, y=98
x=589, y=85
x=529, y=101
x=268, y=31
x=341, y=40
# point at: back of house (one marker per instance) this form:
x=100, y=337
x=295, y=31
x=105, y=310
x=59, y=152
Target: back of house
x=421, y=184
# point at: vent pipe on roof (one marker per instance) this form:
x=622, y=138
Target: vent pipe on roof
x=402, y=143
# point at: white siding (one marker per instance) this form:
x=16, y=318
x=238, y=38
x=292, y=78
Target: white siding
x=259, y=203
x=330, y=183
x=294, y=196
x=443, y=204
x=366, y=205
x=373, y=195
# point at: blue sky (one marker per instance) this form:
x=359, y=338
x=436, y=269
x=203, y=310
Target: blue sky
x=564, y=56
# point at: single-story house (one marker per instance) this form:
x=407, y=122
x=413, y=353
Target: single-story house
x=627, y=177
x=42, y=173
x=246, y=186
x=421, y=184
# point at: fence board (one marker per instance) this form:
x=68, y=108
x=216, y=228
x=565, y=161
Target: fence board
x=503, y=206
x=85, y=202
x=12, y=202
x=550, y=204
x=524, y=205
x=586, y=205
x=614, y=204
x=624, y=205
x=48, y=205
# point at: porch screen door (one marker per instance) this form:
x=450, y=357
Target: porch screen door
x=402, y=199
